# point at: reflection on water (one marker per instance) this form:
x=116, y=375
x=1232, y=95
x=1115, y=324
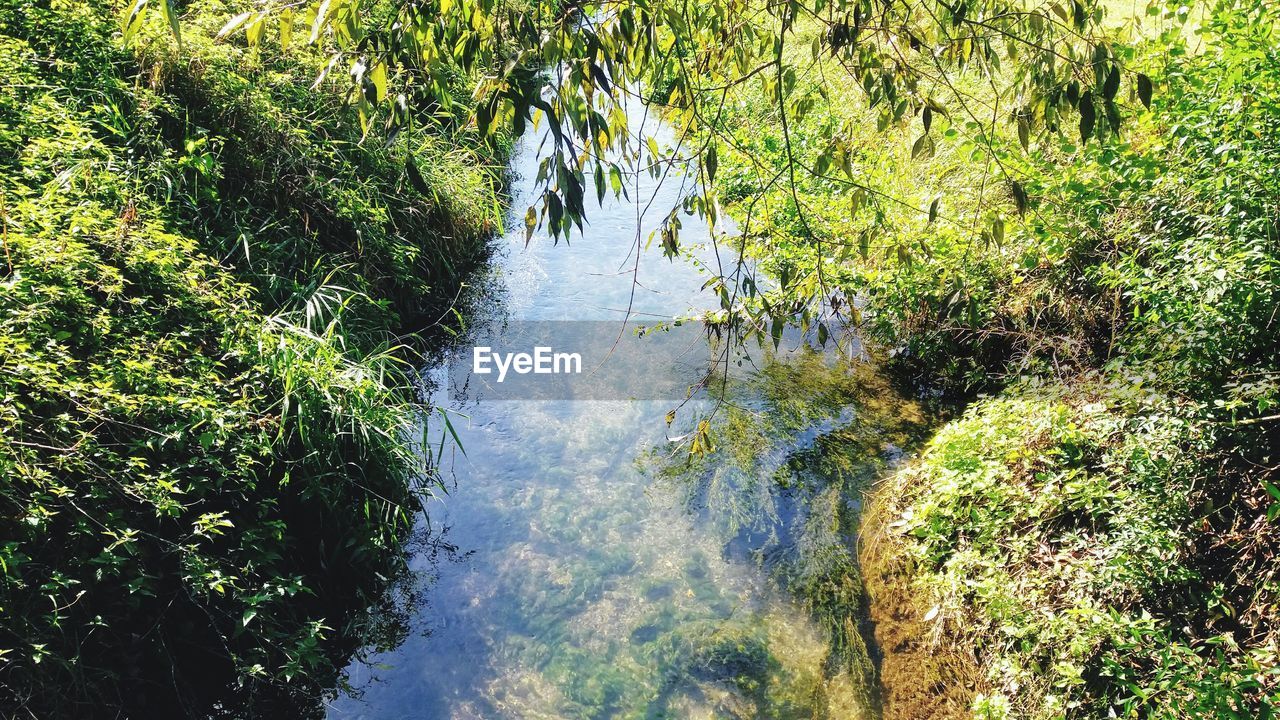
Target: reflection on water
x=598, y=573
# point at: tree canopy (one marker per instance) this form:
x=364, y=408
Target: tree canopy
x=585, y=70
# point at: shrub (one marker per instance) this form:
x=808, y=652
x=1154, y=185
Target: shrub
x=1051, y=529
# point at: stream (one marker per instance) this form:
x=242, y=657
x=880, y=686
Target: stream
x=595, y=570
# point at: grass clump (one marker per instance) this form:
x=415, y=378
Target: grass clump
x=206, y=446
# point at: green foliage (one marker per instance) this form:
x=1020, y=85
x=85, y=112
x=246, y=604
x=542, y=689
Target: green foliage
x=1107, y=542
x=1013, y=250
x=1199, y=268
x=1106, y=548
x=280, y=171
x=988, y=189
x=926, y=230
x=1051, y=528
x=616, y=60
x=208, y=460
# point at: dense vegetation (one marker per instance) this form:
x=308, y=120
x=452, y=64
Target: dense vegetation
x=1064, y=214
x=1097, y=538
x=207, y=445
x=1086, y=245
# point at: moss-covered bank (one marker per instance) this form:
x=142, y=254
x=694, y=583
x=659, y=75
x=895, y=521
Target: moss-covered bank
x=205, y=417
x=1031, y=552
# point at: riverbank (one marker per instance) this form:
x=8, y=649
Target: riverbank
x=1094, y=532
x=209, y=409
x=1031, y=547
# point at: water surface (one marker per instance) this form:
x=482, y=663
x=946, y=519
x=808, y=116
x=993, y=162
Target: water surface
x=599, y=572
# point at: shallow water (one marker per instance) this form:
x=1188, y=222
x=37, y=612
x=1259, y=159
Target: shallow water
x=598, y=572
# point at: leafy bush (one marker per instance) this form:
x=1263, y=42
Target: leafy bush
x=207, y=458
x=1051, y=529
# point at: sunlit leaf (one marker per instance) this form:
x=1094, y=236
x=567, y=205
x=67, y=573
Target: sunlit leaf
x=233, y=24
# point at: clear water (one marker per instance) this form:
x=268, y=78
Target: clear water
x=599, y=572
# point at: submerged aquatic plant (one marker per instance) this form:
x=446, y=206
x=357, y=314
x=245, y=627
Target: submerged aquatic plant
x=796, y=444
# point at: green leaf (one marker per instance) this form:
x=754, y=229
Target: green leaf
x=131, y=19
x=1113, y=115
x=923, y=147
x=1112, y=84
x=322, y=16
x=453, y=433
x=286, y=28
x=1019, y=197
x=416, y=179
x=170, y=14
x=530, y=223
x=232, y=24
x=712, y=162
x=1087, y=117
x=600, y=78
x=857, y=199
x=378, y=76
x=1144, y=90
x=555, y=212
x=615, y=179
x=254, y=31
